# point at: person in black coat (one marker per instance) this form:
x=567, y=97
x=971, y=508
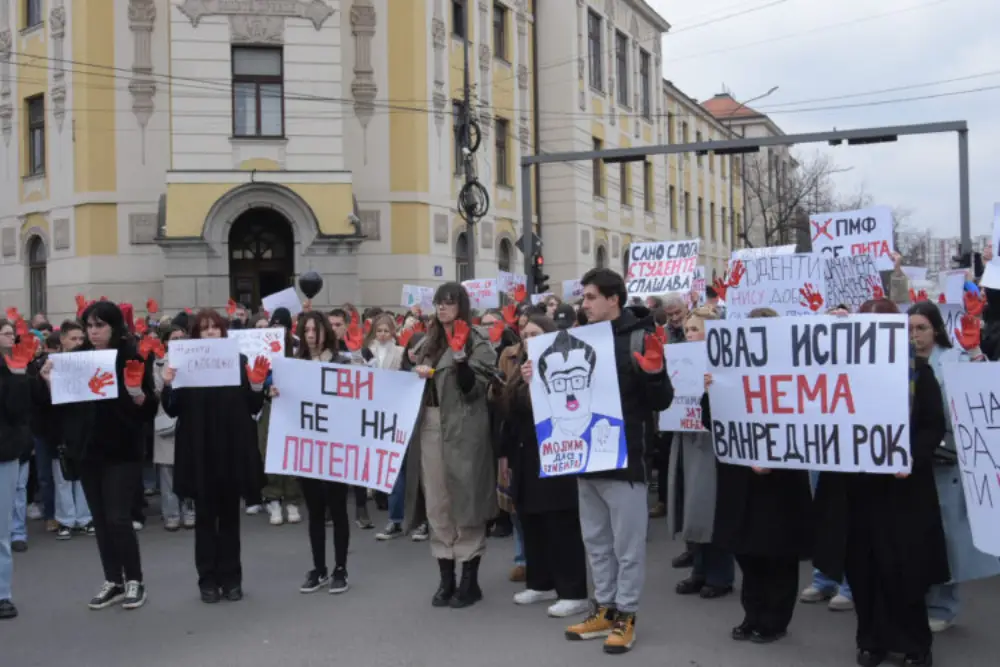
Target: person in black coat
x=105, y=442
x=548, y=508
x=216, y=463
x=884, y=532
x=763, y=517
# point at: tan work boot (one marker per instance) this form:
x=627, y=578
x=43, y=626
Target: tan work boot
x=622, y=636
x=598, y=624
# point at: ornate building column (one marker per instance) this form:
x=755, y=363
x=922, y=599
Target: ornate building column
x=522, y=76
x=363, y=88
x=57, y=25
x=485, y=60
x=439, y=35
x=141, y=19
x=6, y=46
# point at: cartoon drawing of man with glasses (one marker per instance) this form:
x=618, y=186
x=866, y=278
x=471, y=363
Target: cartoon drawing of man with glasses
x=574, y=438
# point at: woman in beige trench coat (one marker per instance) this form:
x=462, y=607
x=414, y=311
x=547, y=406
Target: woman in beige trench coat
x=451, y=451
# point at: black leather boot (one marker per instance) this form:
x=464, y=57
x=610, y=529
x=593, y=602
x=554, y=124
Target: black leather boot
x=468, y=592
x=446, y=589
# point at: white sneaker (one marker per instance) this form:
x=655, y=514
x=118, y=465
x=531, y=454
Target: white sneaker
x=814, y=594
x=841, y=603
x=138, y=525
x=189, y=519
x=564, y=608
x=293, y=513
x=253, y=510
x=34, y=512
x=939, y=624
x=529, y=596
x=172, y=524
x=274, y=509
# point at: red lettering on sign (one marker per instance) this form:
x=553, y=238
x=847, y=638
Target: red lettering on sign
x=336, y=462
x=876, y=248
x=292, y=443
x=770, y=391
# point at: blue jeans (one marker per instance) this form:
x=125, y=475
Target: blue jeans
x=44, y=456
x=397, y=499
x=19, y=512
x=820, y=580
x=72, y=510
x=518, y=542
x=9, y=472
x=943, y=603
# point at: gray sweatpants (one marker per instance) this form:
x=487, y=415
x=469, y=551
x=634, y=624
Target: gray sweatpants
x=613, y=518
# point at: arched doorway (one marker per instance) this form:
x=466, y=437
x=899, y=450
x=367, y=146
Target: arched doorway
x=462, y=257
x=504, y=254
x=261, y=259
x=602, y=257
x=37, y=275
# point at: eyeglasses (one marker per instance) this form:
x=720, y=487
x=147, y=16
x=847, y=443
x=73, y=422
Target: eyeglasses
x=446, y=302
x=577, y=382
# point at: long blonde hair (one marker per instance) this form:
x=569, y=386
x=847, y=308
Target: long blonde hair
x=381, y=318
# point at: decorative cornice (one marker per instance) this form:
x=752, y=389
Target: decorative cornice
x=257, y=29
x=315, y=11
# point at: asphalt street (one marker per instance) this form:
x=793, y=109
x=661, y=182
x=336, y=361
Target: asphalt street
x=386, y=619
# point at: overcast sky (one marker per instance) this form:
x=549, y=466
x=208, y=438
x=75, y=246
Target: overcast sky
x=802, y=50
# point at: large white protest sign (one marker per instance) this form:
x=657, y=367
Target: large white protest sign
x=818, y=393
x=572, y=289
x=339, y=423
x=82, y=377
x=915, y=273
x=661, y=267
x=576, y=402
x=205, y=362
x=951, y=283
x=286, y=298
x=698, y=284
x=483, y=293
x=419, y=296
x=866, y=231
x=686, y=364
x=991, y=272
x=974, y=400
x=255, y=343
x=851, y=281
x=766, y=251
x=507, y=282
x=790, y=284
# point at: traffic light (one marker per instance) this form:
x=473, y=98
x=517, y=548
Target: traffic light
x=539, y=278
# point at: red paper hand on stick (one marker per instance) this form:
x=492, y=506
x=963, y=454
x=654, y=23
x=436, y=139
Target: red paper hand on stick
x=661, y=334
x=942, y=298
x=736, y=275
x=21, y=355
x=257, y=374
x=231, y=308
x=135, y=370
x=720, y=288
x=973, y=305
x=652, y=360
x=149, y=346
x=520, y=293
x=404, y=338
x=152, y=307
x=496, y=331
x=354, y=338
x=13, y=315
x=969, y=334
x=922, y=295
x=459, y=336
x=510, y=314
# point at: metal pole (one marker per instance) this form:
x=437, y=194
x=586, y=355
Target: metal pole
x=965, y=229
x=528, y=230
x=470, y=228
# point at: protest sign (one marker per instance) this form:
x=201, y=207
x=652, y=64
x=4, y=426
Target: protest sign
x=790, y=284
x=952, y=284
x=82, y=377
x=255, y=343
x=698, y=284
x=851, y=281
x=507, y=282
x=915, y=273
x=538, y=298
x=974, y=409
x=338, y=423
x=419, y=296
x=686, y=363
x=866, y=231
x=766, y=251
x=286, y=298
x=572, y=290
x=574, y=376
x=818, y=393
x=991, y=272
x=205, y=362
x=661, y=267
x=483, y=293
x=952, y=314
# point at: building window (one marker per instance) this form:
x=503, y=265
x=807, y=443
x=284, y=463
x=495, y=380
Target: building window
x=701, y=218
x=504, y=255
x=503, y=171
x=697, y=139
x=670, y=127
x=500, y=31
x=686, y=213
x=723, y=224
x=594, y=50
x=457, y=117
x=736, y=230
x=598, y=170
x=459, y=22
x=621, y=67
x=258, y=92
x=711, y=221
x=645, y=99
x=625, y=181
x=602, y=257
x=648, y=186
x=36, y=135
x=32, y=13
x=672, y=206
x=462, y=257
x=37, y=279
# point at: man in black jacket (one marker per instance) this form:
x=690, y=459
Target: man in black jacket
x=613, y=504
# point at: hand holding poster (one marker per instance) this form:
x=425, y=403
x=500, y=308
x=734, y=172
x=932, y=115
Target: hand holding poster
x=205, y=362
x=574, y=377
x=973, y=398
x=822, y=393
x=851, y=281
x=661, y=268
x=255, y=343
x=339, y=423
x=790, y=284
x=867, y=231
x=686, y=363
x=81, y=377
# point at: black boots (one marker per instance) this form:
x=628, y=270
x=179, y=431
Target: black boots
x=446, y=589
x=468, y=592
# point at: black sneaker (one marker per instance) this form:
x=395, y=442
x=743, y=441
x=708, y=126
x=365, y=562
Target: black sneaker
x=63, y=532
x=338, y=583
x=89, y=529
x=392, y=531
x=315, y=580
x=7, y=610
x=18, y=546
x=110, y=594
x=420, y=533
x=135, y=595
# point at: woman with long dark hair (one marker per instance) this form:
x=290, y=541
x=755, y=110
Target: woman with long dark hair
x=451, y=452
x=106, y=440
x=216, y=462
x=884, y=531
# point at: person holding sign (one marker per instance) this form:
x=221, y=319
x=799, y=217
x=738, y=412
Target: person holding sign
x=884, y=532
x=105, y=440
x=452, y=453
x=216, y=461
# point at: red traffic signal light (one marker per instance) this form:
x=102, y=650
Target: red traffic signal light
x=539, y=260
